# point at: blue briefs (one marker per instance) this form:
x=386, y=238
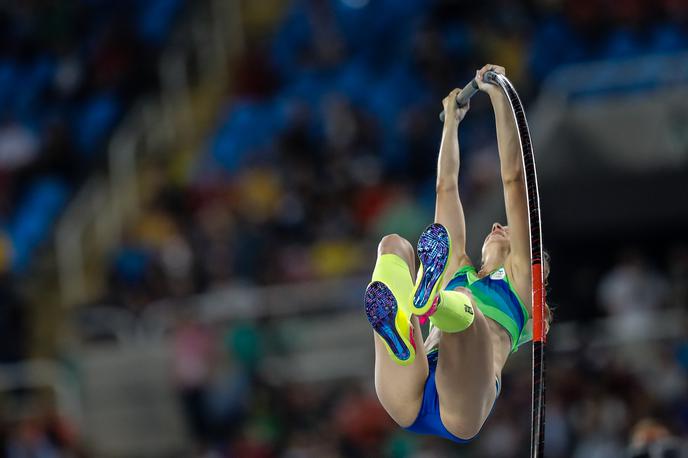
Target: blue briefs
x=428, y=420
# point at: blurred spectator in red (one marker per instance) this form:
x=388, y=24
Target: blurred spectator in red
x=39, y=433
x=652, y=439
x=193, y=358
x=362, y=422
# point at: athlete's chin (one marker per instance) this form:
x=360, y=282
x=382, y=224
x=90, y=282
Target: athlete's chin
x=496, y=244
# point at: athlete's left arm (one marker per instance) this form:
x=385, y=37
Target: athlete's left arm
x=513, y=180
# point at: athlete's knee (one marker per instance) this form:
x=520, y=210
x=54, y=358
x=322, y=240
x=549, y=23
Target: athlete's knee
x=404, y=416
x=466, y=417
x=403, y=411
x=463, y=426
x=479, y=319
x=396, y=244
x=478, y=323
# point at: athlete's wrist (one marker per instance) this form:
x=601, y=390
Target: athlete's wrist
x=450, y=127
x=452, y=123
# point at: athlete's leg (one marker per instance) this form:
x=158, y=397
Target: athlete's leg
x=400, y=388
x=466, y=374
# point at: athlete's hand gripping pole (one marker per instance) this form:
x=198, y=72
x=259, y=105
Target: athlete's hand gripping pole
x=470, y=90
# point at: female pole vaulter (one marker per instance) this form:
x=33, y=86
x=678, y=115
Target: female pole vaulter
x=448, y=386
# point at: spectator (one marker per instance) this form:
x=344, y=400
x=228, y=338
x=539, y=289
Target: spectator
x=632, y=286
x=651, y=438
x=18, y=145
x=193, y=354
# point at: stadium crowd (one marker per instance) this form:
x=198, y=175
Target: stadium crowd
x=68, y=71
x=329, y=135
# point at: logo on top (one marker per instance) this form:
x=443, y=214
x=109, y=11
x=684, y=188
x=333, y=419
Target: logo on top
x=498, y=274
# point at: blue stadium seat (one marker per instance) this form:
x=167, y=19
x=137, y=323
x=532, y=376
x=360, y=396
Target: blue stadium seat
x=34, y=219
x=248, y=126
x=155, y=19
x=94, y=120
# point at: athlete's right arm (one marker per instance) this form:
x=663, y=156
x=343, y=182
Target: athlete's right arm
x=513, y=182
x=448, y=208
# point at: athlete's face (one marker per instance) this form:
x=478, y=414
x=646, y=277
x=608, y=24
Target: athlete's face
x=496, y=245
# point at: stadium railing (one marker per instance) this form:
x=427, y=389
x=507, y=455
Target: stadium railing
x=94, y=220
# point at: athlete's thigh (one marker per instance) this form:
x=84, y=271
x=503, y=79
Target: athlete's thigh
x=465, y=377
x=399, y=388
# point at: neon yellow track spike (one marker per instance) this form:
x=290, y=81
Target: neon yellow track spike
x=390, y=322
x=434, y=252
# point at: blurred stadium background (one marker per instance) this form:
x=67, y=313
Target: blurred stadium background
x=192, y=193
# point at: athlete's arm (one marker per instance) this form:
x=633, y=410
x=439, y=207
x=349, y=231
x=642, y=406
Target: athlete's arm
x=513, y=180
x=448, y=208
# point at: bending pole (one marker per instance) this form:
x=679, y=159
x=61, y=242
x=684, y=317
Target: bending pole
x=537, y=433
